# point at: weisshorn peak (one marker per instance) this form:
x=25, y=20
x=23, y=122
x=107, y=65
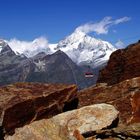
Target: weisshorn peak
x=86, y=50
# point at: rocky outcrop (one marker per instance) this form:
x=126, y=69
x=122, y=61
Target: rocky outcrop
x=118, y=85
x=22, y=103
x=123, y=64
x=65, y=125
x=125, y=96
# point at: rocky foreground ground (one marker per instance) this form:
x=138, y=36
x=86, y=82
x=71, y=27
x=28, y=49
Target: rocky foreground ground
x=108, y=111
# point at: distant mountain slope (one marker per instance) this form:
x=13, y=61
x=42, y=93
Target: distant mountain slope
x=13, y=67
x=57, y=68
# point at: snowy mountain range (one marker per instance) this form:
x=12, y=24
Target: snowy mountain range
x=80, y=47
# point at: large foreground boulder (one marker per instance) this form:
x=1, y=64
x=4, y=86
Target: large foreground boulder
x=125, y=96
x=22, y=103
x=63, y=126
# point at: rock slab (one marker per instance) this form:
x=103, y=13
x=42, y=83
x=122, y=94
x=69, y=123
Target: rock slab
x=63, y=126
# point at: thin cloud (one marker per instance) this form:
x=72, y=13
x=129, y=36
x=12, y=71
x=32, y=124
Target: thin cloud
x=121, y=20
x=103, y=26
x=29, y=48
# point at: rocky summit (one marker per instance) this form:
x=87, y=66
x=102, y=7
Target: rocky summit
x=22, y=103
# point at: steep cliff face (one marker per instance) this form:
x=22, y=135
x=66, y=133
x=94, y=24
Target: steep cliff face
x=22, y=103
x=123, y=64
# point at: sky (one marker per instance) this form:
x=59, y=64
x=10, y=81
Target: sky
x=116, y=21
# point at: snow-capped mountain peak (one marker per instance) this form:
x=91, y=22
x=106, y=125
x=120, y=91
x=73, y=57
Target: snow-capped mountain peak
x=76, y=35
x=72, y=40
x=87, y=50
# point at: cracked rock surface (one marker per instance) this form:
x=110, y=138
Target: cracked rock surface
x=63, y=126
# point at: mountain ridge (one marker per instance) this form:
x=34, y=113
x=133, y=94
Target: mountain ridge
x=52, y=68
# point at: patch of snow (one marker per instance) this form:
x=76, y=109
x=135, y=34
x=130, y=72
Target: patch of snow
x=40, y=66
x=52, y=47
